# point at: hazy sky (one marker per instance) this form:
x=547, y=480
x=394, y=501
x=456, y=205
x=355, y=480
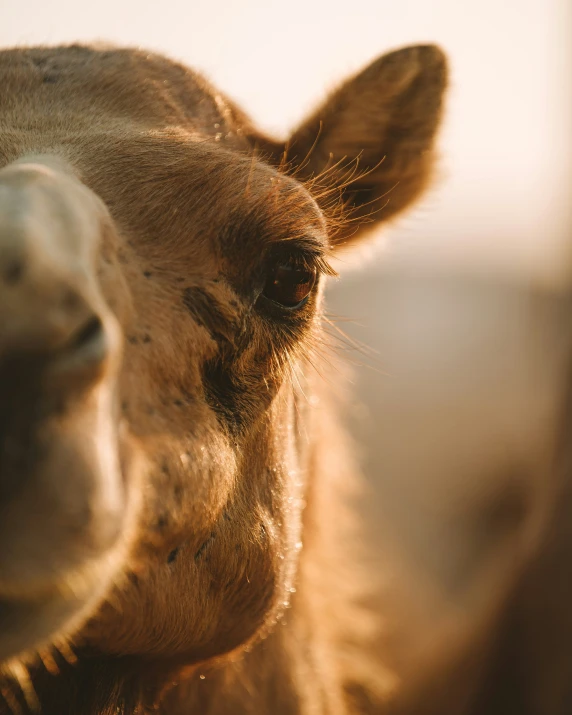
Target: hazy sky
x=507, y=140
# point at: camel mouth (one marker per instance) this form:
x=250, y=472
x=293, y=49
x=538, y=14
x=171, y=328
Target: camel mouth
x=63, y=495
x=33, y=613
x=73, y=584
x=24, y=625
x=54, y=571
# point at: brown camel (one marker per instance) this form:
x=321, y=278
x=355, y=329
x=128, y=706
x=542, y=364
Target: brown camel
x=174, y=484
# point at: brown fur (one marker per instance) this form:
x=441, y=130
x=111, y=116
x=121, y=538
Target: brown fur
x=233, y=586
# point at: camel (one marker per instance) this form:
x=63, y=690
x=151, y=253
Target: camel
x=175, y=484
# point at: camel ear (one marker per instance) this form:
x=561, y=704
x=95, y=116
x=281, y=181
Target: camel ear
x=373, y=138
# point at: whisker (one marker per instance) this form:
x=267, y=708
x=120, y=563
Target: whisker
x=66, y=652
x=48, y=661
x=11, y=701
x=351, y=342
x=22, y=676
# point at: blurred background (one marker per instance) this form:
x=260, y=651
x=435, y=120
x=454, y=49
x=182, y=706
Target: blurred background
x=461, y=305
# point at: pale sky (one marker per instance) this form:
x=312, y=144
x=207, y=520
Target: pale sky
x=507, y=142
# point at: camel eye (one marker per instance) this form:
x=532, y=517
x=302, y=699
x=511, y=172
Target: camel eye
x=290, y=283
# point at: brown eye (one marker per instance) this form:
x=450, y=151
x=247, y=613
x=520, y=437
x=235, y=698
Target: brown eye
x=289, y=284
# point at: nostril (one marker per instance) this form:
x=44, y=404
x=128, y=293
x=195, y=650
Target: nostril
x=90, y=332
x=83, y=353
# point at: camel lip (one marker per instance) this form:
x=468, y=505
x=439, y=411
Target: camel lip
x=71, y=584
x=32, y=613
x=27, y=625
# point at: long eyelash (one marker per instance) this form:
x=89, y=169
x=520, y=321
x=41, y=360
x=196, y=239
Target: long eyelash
x=324, y=267
x=308, y=255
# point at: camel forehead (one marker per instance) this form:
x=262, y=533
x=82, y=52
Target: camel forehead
x=123, y=83
x=151, y=138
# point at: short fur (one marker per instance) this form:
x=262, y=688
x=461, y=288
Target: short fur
x=233, y=585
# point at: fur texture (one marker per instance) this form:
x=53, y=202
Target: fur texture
x=233, y=584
